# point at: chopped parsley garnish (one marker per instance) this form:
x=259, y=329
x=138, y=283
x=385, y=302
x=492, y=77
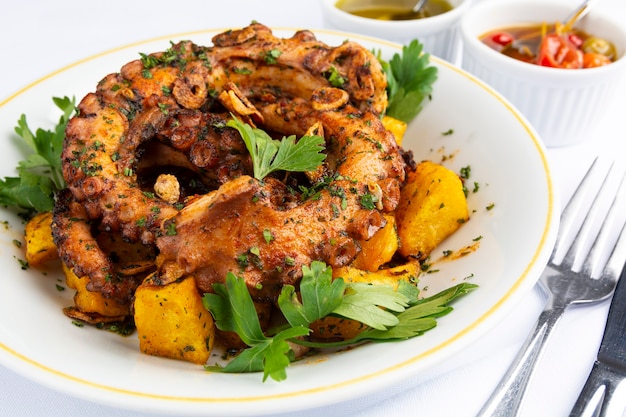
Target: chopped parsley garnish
x=465, y=172
x=271, y=57
x=242, y=71
x=149, y=61
x=170, y=55
x=368, y=201
x=448, y=132
x=171, y=229
x=334, y=78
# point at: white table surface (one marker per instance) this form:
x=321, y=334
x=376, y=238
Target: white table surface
x=38, y=37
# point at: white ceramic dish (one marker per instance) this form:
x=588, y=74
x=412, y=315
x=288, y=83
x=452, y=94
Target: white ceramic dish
x=565, y=106
x=507, y=160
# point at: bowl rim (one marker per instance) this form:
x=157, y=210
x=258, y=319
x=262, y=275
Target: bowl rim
x=438, y=21
x=472, y=43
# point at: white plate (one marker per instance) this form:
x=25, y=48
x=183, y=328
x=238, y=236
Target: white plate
x=507, y=160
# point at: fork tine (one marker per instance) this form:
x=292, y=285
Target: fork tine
x=605, y=232
x=603, y=236
x=568, y=214
x=571, y=211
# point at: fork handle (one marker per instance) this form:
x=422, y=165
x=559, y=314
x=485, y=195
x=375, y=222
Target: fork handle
x=506, y=399
x=597, y=394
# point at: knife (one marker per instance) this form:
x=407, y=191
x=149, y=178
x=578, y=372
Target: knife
x=604, y=393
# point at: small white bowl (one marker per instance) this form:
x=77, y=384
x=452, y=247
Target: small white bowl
x=563, y=105
x=438, y=34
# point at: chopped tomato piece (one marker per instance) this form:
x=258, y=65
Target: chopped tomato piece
x=559, y=52
x=575, y=39
x=499, y=40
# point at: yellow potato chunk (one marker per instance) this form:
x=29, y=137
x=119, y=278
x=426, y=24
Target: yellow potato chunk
x=432, y=206
x=395, y=126
x=388, y=276
x=379, y=249
x=172, y=322
x=92, y=302
x=40, y=247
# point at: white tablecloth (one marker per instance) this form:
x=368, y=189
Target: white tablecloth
x=38, y=37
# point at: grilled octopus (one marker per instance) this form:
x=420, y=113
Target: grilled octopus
x=168, y=111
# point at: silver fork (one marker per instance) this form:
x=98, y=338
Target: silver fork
x=564, y=287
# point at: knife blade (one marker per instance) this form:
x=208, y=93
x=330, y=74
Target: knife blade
x=609, y=369
x=613, y=348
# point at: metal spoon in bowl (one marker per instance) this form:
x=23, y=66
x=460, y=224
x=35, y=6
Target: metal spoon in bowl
x=421, y=3
x=575, y=15
x=406, y=14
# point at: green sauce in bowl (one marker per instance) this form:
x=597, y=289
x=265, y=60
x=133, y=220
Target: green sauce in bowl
x=393, y=12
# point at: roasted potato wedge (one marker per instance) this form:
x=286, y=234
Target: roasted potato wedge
x=172, y=322
x=379, y=249
x=40, y=247
x=388, y=276
x=395, y=126
x=89, y=302
x=432, y=206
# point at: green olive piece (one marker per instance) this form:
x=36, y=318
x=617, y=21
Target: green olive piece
x=597, y=45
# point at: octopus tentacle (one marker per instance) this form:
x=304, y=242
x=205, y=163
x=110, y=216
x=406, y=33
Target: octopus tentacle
x=81, y=251
x=72, y=223
x=301, y=66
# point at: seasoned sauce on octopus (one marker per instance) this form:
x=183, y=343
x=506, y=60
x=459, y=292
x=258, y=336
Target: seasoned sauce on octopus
x=150, y=158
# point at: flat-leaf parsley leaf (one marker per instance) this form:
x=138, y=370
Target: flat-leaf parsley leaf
x=410, y=78
x=269, y=155
x=40, y=174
